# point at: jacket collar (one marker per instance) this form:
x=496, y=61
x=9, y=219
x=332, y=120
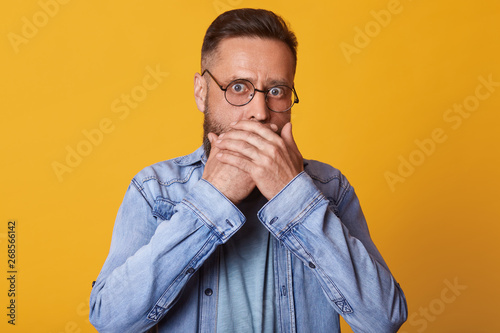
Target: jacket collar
x=195, y=157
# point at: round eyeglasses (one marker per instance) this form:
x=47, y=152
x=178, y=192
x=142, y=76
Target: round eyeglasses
x=240, y=92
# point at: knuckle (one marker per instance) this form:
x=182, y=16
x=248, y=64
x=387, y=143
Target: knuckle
x=268, y=161
x=274, y=152
x=282, y=144
x=259, y=171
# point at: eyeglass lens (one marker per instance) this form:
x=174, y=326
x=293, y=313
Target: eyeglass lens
x=241, y=92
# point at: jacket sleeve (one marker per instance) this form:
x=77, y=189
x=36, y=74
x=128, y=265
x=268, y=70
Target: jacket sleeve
x=339, y=250
x=151, y=259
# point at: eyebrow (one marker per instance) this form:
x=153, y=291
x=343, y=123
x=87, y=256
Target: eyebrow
x=273, y=83
x=269, y=84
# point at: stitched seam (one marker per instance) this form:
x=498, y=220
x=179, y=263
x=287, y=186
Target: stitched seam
x=139, y=188
x=162, y=199
x=346, y=188
x=137, y=185
x=203, y=217
x=325, y=181
x=161, y=216
x=166, y=200
x=172, y=181
x=180, y=276
x=319, y=270
x=300, y=216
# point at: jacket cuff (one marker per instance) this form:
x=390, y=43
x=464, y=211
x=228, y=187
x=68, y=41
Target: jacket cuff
x=214, y=209
x=290, y=205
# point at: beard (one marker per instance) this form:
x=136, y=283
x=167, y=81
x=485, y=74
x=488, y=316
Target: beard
x=209, y=126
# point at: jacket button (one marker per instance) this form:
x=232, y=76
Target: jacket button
x=208, y=292
x=190, y=270
x=312, y=265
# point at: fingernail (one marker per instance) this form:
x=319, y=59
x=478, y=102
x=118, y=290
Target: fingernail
x=233, y=123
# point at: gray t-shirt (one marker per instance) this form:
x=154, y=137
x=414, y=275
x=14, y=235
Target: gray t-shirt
x=246, y=280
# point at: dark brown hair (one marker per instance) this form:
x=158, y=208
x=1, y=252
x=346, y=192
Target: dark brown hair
x=247, y=22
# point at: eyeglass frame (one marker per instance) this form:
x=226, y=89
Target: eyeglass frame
x=265, y=92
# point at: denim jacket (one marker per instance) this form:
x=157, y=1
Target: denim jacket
x=162, y=269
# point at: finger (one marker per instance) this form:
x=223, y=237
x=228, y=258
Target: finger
x=242, y=122
x=250, y=138
x=267, y=131
x=212, y=137
x=235, y=159
x=241, y=145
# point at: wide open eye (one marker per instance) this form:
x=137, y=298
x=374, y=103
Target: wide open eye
x=279, y=98
x=239, y=87
x=276, y=92
x=239, y=92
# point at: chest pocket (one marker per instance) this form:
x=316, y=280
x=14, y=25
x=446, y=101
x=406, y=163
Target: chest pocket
x=164, y=208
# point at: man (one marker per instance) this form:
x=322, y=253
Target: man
x=244, y=235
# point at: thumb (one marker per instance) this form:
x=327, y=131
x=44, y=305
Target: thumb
x=212, y=137
x=293, y=150
x=287, y=136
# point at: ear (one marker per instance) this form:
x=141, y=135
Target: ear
x=200, y=91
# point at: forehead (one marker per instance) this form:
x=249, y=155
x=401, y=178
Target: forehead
x=254, y=58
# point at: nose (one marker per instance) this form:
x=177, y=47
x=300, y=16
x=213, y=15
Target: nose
x=257, y=108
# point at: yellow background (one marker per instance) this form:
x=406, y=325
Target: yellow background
x=361, y=112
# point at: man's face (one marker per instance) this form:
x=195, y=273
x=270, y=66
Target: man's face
x=265, y=63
